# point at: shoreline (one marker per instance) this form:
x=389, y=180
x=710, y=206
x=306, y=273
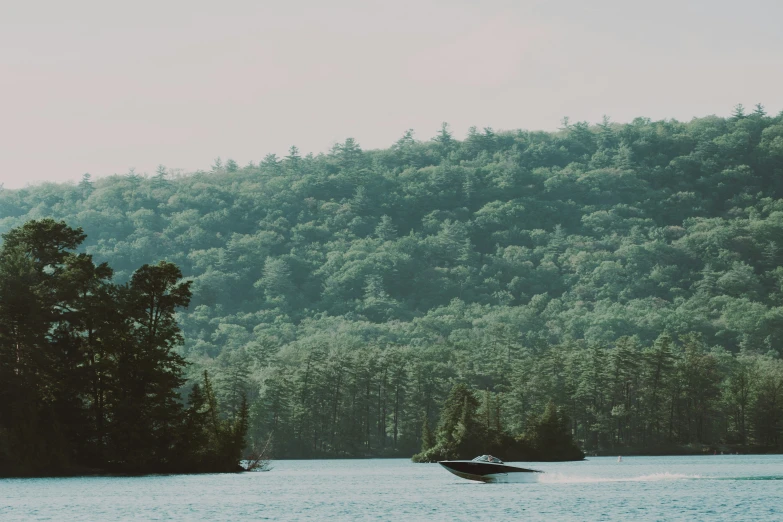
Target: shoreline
x=624, y=452
x=687, y=450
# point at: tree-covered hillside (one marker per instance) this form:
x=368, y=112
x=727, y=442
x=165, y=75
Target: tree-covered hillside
x=468, y=257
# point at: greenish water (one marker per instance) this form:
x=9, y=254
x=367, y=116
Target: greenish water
x=639, y=488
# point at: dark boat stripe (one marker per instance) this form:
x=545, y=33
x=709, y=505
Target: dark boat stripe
x=482, y=468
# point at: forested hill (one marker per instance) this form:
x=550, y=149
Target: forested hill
x=523, y=239
x=591, y=232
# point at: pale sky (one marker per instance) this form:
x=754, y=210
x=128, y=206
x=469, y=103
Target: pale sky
x=100, y=87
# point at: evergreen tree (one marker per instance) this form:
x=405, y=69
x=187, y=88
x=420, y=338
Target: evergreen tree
x=427, y=437
x=459, y=431
x=86, y=185
x=386, y=231
x=444, y=139
x=550, y=437
x=276, y=279
x=159, y=180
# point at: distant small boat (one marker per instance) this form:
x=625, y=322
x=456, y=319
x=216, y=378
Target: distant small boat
x=487, y=468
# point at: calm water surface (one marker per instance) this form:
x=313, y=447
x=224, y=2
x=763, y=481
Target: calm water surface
x=640, y=488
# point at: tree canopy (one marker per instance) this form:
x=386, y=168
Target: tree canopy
x=513, y=261
x=89, y=374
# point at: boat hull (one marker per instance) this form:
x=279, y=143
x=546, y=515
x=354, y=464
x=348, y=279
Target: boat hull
x=488, y=472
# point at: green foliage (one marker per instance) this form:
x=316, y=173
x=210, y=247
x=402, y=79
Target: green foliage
x=460, y=432
x=624, y=223
x=222, y=439
x=540, y=266
x=427, y=437
x=549, y=436
x=89, y=371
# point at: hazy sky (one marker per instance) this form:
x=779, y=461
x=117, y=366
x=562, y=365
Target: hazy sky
x=100, y=87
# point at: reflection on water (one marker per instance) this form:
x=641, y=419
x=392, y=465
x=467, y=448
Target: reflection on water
x=638, y=488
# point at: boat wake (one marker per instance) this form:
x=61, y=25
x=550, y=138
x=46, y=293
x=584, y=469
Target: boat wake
x=559, y=478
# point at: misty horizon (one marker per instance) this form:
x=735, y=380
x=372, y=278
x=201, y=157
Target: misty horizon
x=181, y=171
x=99, y=89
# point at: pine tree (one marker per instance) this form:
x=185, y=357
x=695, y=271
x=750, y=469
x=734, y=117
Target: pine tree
x=444, y=139
x=460, y=433
x=293, y=156
x=606, y=136
x=657, y=364
x=468, y=186
x=549, y=435
x=150, y=371
x=271, y=163
x=233, y=380
x=386, y=231
x=624, y=157
x=427, y=437
x=86, y=185
x=276, y=279
x=159, y=180
x=771, y=255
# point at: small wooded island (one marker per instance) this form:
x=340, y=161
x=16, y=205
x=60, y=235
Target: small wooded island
x=88, y=368
x=617, y=284
x=463, y=432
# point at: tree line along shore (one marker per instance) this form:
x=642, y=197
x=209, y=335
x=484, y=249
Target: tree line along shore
x=628, y=274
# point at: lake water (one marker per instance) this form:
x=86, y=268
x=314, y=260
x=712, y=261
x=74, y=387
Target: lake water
x=639, y=488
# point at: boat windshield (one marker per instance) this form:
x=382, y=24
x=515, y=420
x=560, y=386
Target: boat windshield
x=488, y=458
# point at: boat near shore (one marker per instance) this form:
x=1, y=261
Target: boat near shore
x=487, y=468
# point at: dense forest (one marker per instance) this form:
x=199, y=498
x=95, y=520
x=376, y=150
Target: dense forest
x=628, y=274
x=89, y=377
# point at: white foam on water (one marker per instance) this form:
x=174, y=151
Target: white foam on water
x=559, y=478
